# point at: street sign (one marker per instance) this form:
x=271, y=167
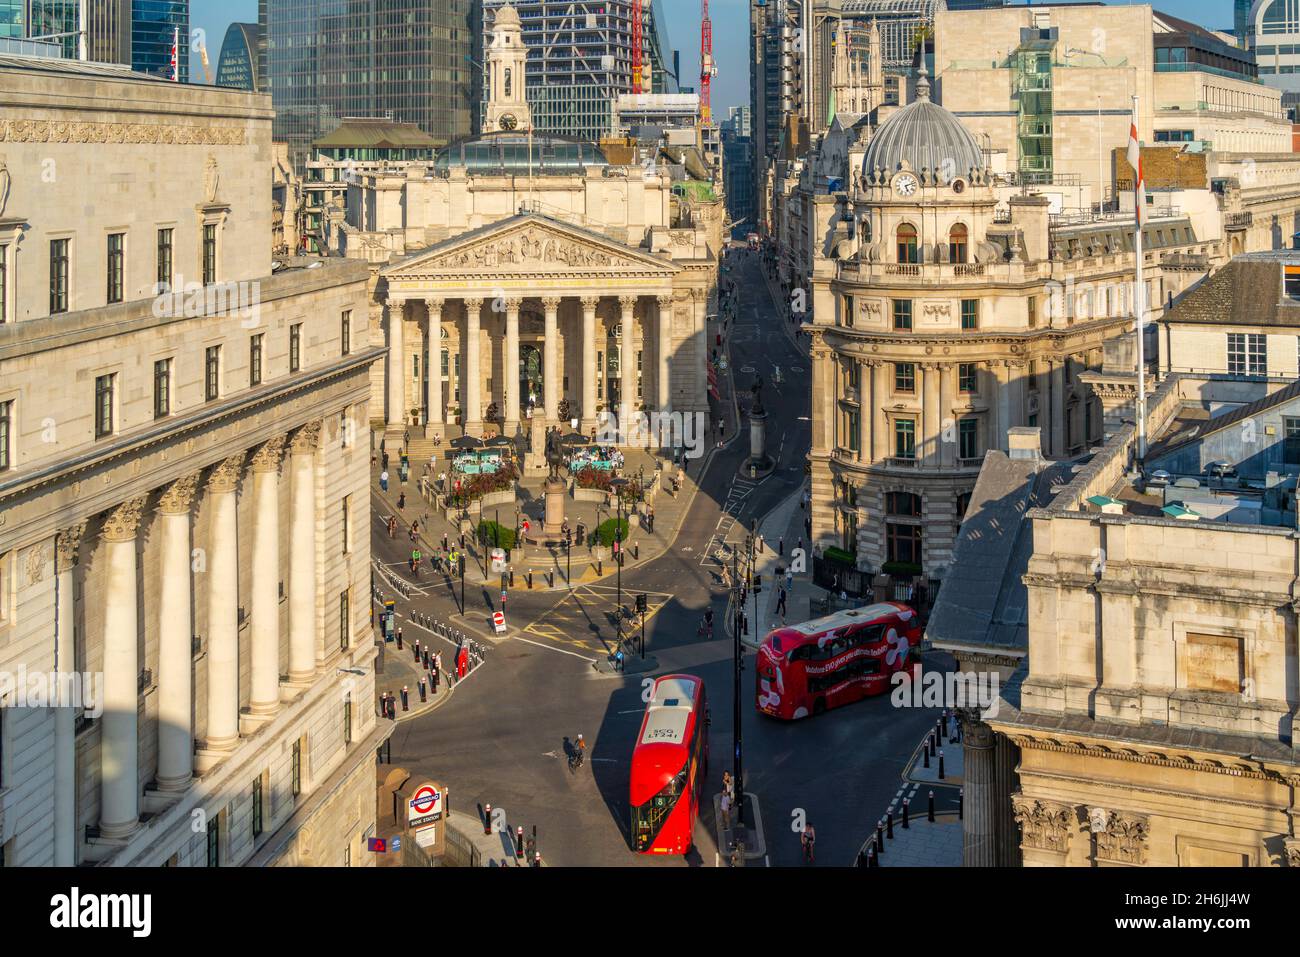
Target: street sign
x=499, y=622
x=397, y=843
x=377, y=844
x=425, y=806
x=427, y=837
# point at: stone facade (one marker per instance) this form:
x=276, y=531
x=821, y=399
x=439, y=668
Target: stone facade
x=183, y=496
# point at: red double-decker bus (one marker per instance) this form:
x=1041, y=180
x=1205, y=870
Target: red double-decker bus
x=832, y=661
x=669, y=765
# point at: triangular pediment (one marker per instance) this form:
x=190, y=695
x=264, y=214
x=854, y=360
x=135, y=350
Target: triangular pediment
x=528, y=244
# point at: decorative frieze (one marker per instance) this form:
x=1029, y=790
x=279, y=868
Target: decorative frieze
x=60, y=131
x=1121, y=836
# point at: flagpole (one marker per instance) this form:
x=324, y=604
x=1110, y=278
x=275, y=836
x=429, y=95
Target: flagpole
x=1140, y=300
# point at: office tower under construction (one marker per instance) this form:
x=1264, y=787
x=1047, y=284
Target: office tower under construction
x=580, y=59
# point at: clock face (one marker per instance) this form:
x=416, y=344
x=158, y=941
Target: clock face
x=906, y=185
x=508, y=121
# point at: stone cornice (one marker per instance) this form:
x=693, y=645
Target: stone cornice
x=1029, y=740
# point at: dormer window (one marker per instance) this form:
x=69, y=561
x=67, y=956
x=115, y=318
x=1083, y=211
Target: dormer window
x=1292, y=281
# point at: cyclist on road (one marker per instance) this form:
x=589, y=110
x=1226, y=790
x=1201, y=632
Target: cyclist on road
x=708, y=621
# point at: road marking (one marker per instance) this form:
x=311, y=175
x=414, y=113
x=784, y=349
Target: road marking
x=552, y=648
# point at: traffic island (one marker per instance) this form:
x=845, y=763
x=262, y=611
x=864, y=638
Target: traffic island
x=632, y=665
x=737, y=844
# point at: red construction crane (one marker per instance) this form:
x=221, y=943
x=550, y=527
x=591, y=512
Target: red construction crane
x=636, y=46
x=707, y=68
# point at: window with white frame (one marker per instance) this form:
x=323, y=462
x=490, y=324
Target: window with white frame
x=1247, y=353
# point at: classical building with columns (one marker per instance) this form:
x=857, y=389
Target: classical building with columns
x=522, y=266
x=183, y=491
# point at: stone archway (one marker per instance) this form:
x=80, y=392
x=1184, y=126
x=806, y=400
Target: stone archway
x=531, y=379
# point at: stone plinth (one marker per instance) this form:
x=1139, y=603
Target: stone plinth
x=535, y=457
x=554, y=523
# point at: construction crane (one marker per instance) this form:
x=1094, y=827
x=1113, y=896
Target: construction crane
x=203, y=55
x=708, y=69
x=636, y=46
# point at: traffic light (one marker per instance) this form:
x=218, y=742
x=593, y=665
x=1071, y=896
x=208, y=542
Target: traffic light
x=758, y=583
x=642, y=603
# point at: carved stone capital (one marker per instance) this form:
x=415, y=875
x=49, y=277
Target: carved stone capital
x=1121, y=836
x=267, y=457
x=627, y=303
x=395, y=306
x=435, y=307
x=1293, y=852
x=306, y=440
x=1044, y=825
x=472, y=306
x=590, y=302
x=66, y=544
x=178, y=497
x=975, y=733
x=663, y=302
x=122, y=521
x=552, y=303
x=225, y=477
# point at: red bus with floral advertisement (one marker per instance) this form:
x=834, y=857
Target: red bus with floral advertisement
x=832, y=661
x=669, y=765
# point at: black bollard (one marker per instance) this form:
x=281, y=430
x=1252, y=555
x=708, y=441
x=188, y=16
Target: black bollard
x=519, y=842
x=889, y=825
x=529, y=576
x=905, y=823
x=961, y=803
x=512, y=578
x=930, y=813
x=424, y=692
x=925, y=753
x=880, y=838
x=406, y=698
x=871, y=858
x=487, y=818
x=941, y=764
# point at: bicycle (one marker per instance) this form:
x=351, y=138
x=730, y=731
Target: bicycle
x=575, y=760
x=705, y=629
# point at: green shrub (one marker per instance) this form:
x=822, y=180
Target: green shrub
x=496, y=536
x=897, y=569
x=605, y=532
x=839, y=555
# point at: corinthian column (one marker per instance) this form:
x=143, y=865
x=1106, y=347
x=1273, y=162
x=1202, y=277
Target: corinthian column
x=119, y=811
x=626, y=363
x=175, y=638
x=510, y=368
x=65, y=715
x=880, y=373
x=302, y=554
x=664, y=328
x=554, y=381
x=223, y=606
x=433, y=362
x=931, y=417
x=396, y=369
x=589, y=362
x=865, y=412
x=473, y=414
x=265, y=635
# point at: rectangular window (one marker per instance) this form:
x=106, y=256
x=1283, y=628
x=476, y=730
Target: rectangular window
x=600, y=378
x=967, y=378
x=1031, y=308
x=347, y=719
x=295, y=769
x=1290, y=440
x=295, y=347
x=345, y=621
x=1293, y=282
x=165, y=256
x=970, y=313
x=209, y=254
x=903, y=315
x=6, y=429
x=905, y=377
x=59, y=275
x=104, y=405
x=445, y=363
x=214, y=841
x=255, y=360
x=257, y=807
x=1247, y=353
x=347, y=524
x=968, y=439
x=905, y=438
x=851, y=424
x=848, y=312
x=162, y=388
x=116, y=266
x=415, y=368
x=212, y=373
x=345, y=333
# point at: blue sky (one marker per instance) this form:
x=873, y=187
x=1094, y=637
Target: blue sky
x=730, y=34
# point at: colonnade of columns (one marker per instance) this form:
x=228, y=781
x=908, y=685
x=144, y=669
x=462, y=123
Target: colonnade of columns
x=173, y=524
x=656, y=320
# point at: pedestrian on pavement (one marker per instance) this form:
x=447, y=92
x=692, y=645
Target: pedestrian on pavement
x=384, y=459
x=401, y=500
x=780, y=604
x=724, y=807
x=789, y=578
x=780, y=546
x=383, y=480
x=618, y=659
x=801, y=545
x=415, y=529
x=727, y=783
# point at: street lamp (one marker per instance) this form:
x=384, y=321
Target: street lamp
x=618, y=484
x=737, y=652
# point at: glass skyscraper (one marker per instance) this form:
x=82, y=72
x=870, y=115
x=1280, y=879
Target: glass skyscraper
x=12, y=21
x=153, y=28
x=237, y=67
x=407, y=60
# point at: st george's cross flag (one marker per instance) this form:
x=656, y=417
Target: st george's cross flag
x=1135, y=160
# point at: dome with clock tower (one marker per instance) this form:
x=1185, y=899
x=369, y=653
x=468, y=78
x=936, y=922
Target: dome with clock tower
x=507, y=65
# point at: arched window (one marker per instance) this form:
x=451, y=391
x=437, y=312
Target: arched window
x=905, y=504
x=957, y=243
x=507, y=84
x=907, y=248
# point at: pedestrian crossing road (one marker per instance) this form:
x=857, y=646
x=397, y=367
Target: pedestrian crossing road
x=585, y=618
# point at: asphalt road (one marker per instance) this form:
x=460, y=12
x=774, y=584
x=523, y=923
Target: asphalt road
x=501, y=738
